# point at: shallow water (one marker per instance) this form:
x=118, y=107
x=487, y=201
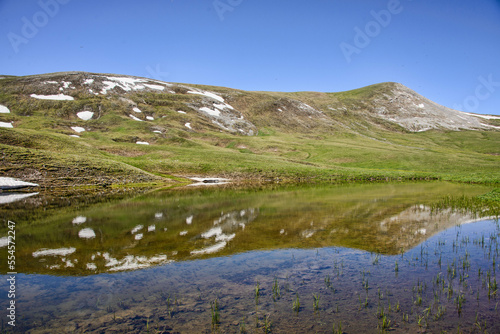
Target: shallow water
x=370, y=253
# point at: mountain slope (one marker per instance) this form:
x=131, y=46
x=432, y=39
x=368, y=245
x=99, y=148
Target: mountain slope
x=63, y=128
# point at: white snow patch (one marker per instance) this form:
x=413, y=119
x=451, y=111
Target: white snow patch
x=139, y=236
x=211, y=112
x=142, y=143
x=150, y=118
x=4, y=109
x=151, y=228
x=482, y=116
x=85, y=115
x=183, y=233
x=136, y=109
x=54, y=252
x=74, y=136
x=189, y=220
x=135, y=118
x=157, y=131
x=59, y=97
x=157, y=87
x=86, y=233
x=79, y=220
x=421, y=106
x=6, y=125
x=11, y=183
x=181, y=112
x=159, y=215
x=88, y=81
x=208, y=94
x=51, y=82
x=78, y=129
x=188, y=125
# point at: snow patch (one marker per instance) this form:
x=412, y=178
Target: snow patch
x=181, y=112
x=142, y=143
x=78, y=129
x=210, y=111
x=85, y=115
x=150, y=118
x=188, y=125
x=207, y=94
x=157, y=87
x=4, y=241
x=79, y=220
x=136, y=109
x=137, y=229
x=6, y=125
x=4, y=109
x=135, y=118
x=59, y=97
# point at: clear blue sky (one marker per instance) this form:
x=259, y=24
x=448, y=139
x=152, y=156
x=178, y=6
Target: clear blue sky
x=446, y=50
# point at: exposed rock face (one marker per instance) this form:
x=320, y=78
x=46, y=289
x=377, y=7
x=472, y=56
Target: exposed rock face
x=417, y=113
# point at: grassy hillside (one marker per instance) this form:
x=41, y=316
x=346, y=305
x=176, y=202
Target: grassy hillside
x=290, y=136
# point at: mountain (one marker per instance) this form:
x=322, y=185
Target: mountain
x=86, y=128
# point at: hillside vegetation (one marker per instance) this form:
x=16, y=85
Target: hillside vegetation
x=138, y=130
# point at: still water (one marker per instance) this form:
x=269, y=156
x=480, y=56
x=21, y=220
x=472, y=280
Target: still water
x=312, y=259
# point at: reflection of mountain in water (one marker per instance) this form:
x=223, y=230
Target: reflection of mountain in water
x=164, y=227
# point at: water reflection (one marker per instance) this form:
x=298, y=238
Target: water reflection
x=168, y=226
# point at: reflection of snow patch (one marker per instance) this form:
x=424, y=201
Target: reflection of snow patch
x=212, y=232
x=86, y=233
x=212, y=249
x=79, y=220
x=54, y=252
x=4, y=241
x=11, y=198
x=137, y=229
x=91, y=266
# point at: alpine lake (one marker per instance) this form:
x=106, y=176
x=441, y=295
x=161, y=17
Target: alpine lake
x=351, y=258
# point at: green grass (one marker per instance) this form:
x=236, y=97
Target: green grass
x=288, y=147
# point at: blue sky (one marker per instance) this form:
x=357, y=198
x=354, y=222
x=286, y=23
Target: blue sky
x=446, y=50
